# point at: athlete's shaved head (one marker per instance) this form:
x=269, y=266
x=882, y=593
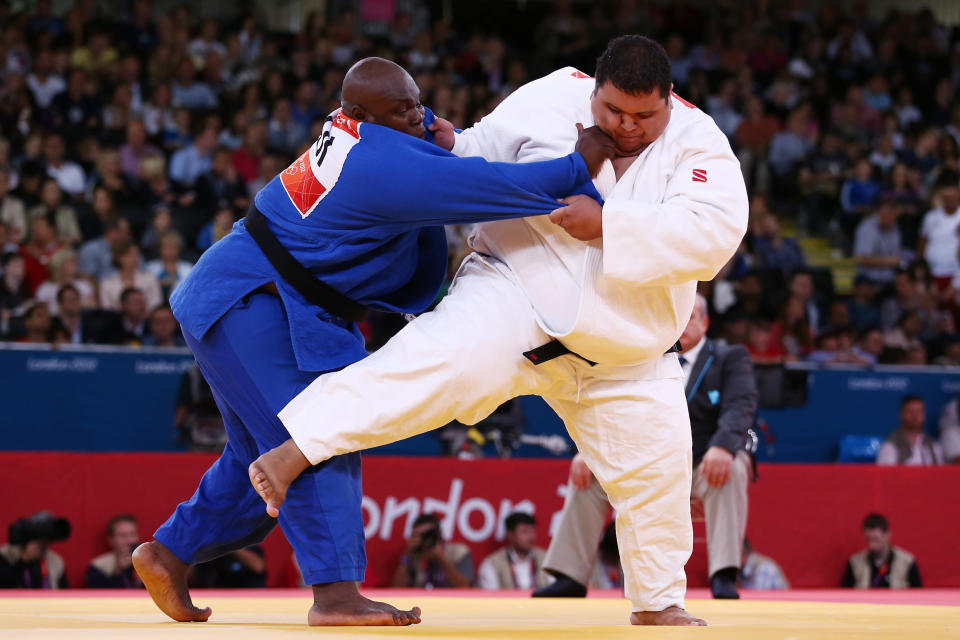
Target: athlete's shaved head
x=382, y=92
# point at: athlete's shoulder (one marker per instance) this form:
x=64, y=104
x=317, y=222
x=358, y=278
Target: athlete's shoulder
x=311, y=177
x=565, y=80
x=569, y=75
x=691, y=126
x=570, y=80
x=686, y=113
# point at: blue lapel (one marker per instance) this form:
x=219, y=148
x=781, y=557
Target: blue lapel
x=703, y=372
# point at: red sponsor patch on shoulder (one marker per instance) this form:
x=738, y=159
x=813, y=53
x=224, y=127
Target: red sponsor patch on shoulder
x=311, y=176
x=699, y=175
x=580, y=74
x=302, y=185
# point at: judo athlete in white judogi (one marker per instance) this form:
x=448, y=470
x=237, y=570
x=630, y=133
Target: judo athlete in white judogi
x=608, y=290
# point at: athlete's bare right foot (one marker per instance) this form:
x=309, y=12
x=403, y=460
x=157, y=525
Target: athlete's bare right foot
x=165, y=577
x=671, y=616
x=339, y=604
x=272, y=474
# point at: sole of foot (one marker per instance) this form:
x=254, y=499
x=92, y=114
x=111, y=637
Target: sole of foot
x=165, y=577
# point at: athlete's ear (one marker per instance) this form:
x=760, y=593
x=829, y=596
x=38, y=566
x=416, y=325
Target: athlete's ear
x=356, y=112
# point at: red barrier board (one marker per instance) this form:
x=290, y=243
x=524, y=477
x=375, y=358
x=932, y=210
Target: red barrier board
x=806, y=517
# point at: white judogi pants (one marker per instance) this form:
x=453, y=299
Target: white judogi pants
x=573, y=550
x=464, y=359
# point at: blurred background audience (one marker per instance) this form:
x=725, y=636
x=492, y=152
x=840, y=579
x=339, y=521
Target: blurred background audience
x=136, y=137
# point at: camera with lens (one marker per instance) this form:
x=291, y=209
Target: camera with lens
x=39, y=526
x=429, y=539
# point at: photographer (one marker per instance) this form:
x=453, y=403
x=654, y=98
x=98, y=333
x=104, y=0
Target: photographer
x=430, y=562
x=114, y=569
x=26, y=562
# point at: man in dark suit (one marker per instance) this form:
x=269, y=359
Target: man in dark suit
x=74, y=324
x=129, y=327
x=722, y=400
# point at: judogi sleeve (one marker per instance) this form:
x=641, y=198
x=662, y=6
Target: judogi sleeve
x=414, y=185
x=500, y=135
x=693, y=232
x=496, y=137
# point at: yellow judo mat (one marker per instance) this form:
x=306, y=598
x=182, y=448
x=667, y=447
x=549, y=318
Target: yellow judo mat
x=478, y=618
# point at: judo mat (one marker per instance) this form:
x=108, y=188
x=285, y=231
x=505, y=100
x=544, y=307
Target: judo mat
x=281, y=613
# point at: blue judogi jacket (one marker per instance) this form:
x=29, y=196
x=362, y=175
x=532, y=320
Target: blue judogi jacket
x=363, y=210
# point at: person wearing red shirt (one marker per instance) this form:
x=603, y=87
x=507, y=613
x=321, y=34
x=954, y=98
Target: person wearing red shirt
x=246, y=159
x=38, y=251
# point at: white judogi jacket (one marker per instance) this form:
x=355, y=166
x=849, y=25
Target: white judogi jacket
x=675, y=216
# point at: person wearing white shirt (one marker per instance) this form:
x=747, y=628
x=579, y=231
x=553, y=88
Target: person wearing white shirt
x=43, y=84
x=580, y=307
x=68, y=174
x=63, y=271
x=12, y=211
x=909, y=445
x=760, y=572
x=169, y=269
x=689, y=357
x=126, y=259
x=950, y=432
x=939, y=243
x=519, y=564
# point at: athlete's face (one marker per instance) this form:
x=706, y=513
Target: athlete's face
x=632, y=120
x=398, y=106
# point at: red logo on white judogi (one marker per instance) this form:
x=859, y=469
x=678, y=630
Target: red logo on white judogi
x=579, y=74
x=699, y=175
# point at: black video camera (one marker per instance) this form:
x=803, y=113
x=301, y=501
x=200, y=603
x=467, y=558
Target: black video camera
x=39, y=526
x=429, y=539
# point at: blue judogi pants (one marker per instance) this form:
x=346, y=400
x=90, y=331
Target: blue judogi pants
x=247, y=358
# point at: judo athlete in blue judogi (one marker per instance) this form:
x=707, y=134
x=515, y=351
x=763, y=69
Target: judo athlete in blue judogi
x=362, y=211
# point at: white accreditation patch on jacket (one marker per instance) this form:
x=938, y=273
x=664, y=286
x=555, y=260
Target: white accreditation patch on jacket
x=311, y=176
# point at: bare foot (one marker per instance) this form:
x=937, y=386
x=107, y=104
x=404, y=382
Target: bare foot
x=165, y=577
x=671, y=616
x=339, y=604
x=272, y=473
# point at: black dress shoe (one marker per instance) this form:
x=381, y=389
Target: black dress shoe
x=723, y=584
x=563, y=587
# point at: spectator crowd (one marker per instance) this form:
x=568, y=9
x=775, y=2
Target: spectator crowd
x=131, y=141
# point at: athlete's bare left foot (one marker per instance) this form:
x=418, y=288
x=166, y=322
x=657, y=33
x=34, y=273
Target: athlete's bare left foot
x=339, y=604
x=165, y=577
x=272, y=473
x=671, y=616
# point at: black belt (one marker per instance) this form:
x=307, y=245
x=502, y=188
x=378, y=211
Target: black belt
x=555, y=349
x=298, y=276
